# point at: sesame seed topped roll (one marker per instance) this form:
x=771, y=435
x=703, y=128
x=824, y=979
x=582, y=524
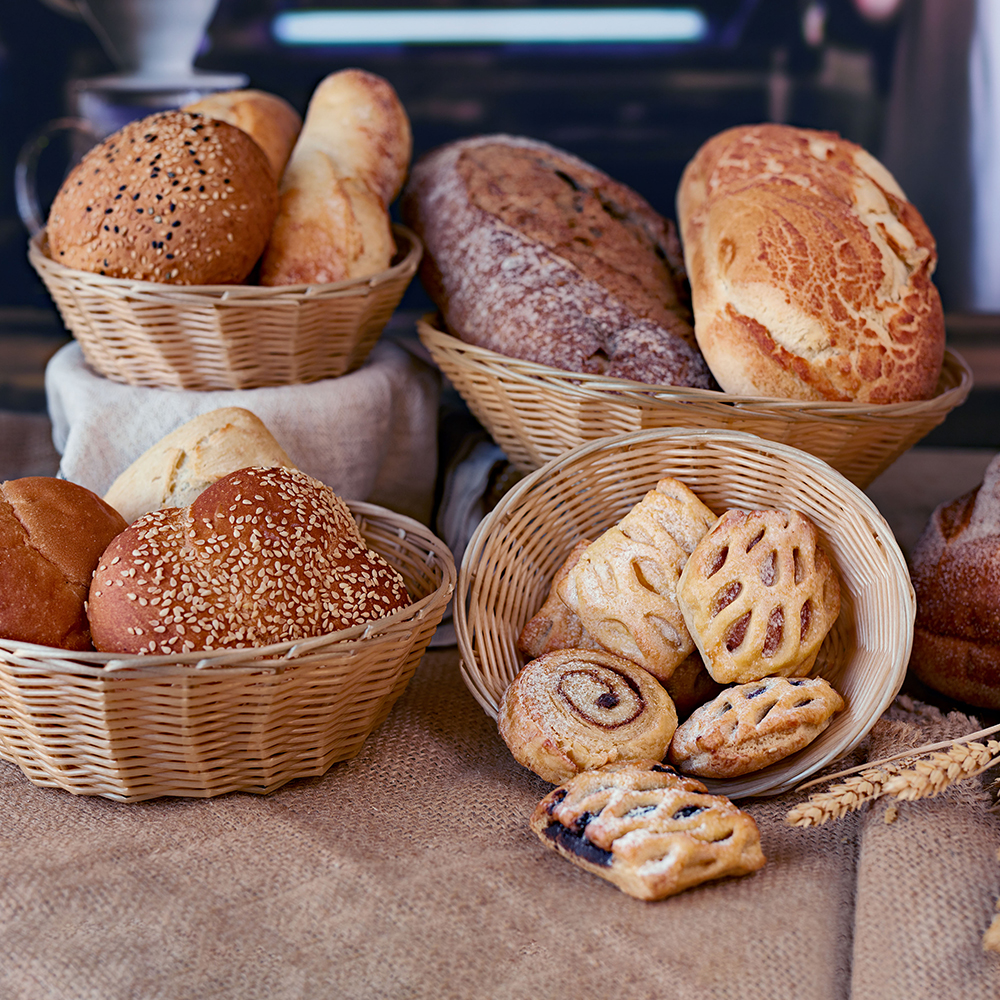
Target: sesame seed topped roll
x=176, y=197
x=261, y=556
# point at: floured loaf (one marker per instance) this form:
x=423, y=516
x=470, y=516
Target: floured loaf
x=810, y=271
x=532, y=253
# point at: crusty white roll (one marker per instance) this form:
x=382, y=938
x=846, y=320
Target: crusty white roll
x=52, y=533
x=810, y=271
x=261, y=556
x=193, y=456
x=347, y=166
x=268, y=119
x=537, y=255
x=174, y=198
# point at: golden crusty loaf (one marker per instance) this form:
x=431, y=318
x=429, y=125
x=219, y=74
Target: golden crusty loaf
x=261, y=556
x=810, y=271
x=52, y=533
x=268, y=119
x=535, y=254
x=347, y=166
x=174, y=198
x=956, y=578
x=193, y=456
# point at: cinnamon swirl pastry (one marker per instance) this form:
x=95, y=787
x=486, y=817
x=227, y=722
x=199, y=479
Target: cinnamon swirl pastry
x=752, y=725
x=572, y=709
x=647, y=830
x=759, y=594
x=624, y=587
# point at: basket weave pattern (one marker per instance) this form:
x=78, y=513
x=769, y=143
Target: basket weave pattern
x=225, y=336
x=535, y=413
x=201, y=724
x=514, y=554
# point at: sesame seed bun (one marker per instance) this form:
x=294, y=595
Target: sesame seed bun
x=52, y=533
x=176, y=198
x=262, y=556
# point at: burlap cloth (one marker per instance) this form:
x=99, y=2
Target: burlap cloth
x=410, y=872
x=370, y=435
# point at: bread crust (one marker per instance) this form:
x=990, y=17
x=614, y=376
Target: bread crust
x=347, y=166
x=535, y=254
x=52, y=533
x=173, y=198
x=955, y=570
x=810, y=271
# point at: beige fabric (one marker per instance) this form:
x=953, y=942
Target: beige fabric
x=410, y=872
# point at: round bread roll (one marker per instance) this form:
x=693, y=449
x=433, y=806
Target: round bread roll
x=574, y=709
x=268, y=119
x=956, y=579
x=810, y=271
x=52, y=533
x=261, y=556
x=173, y=198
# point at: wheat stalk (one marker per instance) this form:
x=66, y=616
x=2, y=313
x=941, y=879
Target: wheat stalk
x=928, y=776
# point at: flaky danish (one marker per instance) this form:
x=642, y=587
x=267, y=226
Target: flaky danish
x=759, y=594
x=647, y=830
x=571, y=710
x=749, y=726
x=624, y=587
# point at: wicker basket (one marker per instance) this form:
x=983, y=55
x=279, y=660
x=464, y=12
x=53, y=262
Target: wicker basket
x=225, y=336
x=138, y=727
x=535, y=413
x=516, y=550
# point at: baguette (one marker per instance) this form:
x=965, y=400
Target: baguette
x=347, y=166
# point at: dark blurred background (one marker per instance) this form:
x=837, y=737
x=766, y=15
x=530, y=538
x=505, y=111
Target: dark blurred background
x=637, y=110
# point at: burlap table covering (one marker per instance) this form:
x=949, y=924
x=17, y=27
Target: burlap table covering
x=410, y=872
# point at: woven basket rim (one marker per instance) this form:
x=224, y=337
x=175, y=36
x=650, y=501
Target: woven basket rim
x=244, y=294
x=955, y=370
x=276, y=656
x=769, y=781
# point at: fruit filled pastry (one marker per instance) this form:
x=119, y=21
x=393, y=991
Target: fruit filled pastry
x=647, y=829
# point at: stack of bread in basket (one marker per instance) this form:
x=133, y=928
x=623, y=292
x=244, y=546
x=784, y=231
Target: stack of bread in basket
x=679, y=643
x=252, y=618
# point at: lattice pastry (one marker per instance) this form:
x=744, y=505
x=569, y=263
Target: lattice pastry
x=759, y=594
x=648, y=830
x=555, y=626
x=624, y=586
x=752, y=725
x=574, y=709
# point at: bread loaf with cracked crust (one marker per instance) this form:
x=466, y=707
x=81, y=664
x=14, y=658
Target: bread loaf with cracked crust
x=537, y=255
x=810, y=271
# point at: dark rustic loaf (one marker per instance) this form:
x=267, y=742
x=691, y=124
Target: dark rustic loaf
x=532, y=253
x=956, y=578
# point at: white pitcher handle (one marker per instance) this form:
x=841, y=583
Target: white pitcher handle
x=26, y=168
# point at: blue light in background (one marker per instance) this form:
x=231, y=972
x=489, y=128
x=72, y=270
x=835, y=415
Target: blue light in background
x=471, y=27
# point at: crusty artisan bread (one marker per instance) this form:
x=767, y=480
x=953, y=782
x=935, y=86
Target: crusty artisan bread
x=956, y=578
x=810, y=271
x=268, y=119
x=535, y=254
x=347, y=166
x=52, y=533
x=174, y=198
x=261, y=556
x=193, y=456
